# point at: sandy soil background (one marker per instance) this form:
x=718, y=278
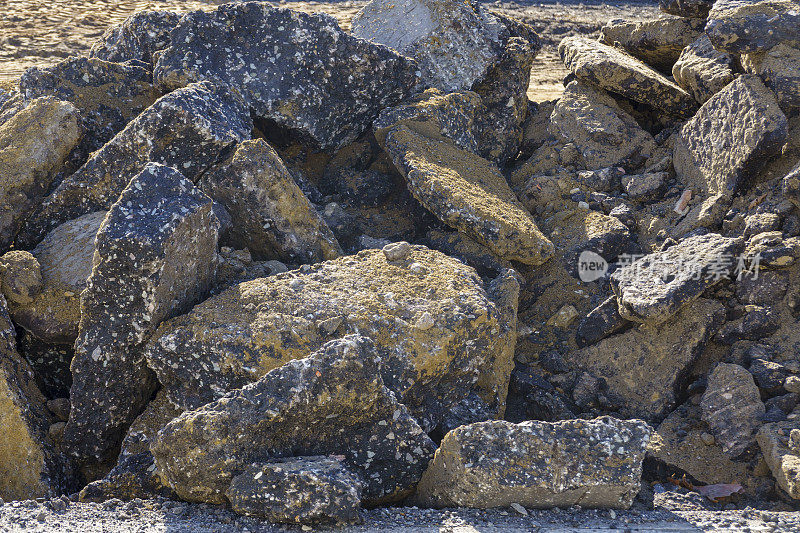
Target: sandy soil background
x=41, y=33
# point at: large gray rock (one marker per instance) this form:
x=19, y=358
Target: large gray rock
x=615, y=71
x=311, y=77
x=731, y=135
x=778, y=443
x=703, y=70
x=594, y=463
x=657, y=42
x=137, y=37
x=686, y=8
x=270, y=214
x=780, y=69
x=333, y=402
x=739, y=26
x=188, y=129
x=154, y=257
x=656, y=286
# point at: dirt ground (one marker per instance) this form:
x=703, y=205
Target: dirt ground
x=39, y=33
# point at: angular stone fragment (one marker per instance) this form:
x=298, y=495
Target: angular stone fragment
x=602, y=321
x=312, y=77
x=657, y=42
x=603, y=133
x=20, y=276
x=703, y=70
x=656, y=286
x=154, y=257
x=429, y=314
x=33, y=146
x=686, y=8
x=780, y=69
x=107, y=95
x=597, y=463
x=784, y=462
x=187, y=129
x=732, y=407
x=737, y=26
x=270, y=215
x=303, y=490
x=645, y=367
x=137, y=37
x=467, y=193
x=615, y=71
x=332, y=402
x=734, y=132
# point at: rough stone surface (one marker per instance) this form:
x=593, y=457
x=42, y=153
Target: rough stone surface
x=429, y=314
x=702, y=70
x=187, y=129
x=603, y=133
x=154, y=257
x=602, y=321
x=468, y=193
x=138, y=37
x=20, y=277
x=615, y=71
x=657, y=42
x=738, y=26
x=780, y=69
x=646, y=367
x=304, y=490
x=313, y=78
x=732, y=407
x=656, y=286
x=784, y=462
x=596, y=463
x=686, y=8
x=34, y=144
x=270, y=215
x=332, y=402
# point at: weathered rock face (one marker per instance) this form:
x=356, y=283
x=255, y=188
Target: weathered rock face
x=187, y=129
x=784, y=462
x=732, y=407
x=702, y=70
x=154, y=257
x=65, y=259
x=270, y=215
x=454, y=43
x=645, y=367
x=743, y=27
x=613, y=70
x=107, y=95
x=332, y=402
x=313, y=78
x=602, y=321
x=430, y=316
x=603, y=133
x=538, y=464
x=686, y=8
x=467, y=193
x=657, y=42
x=34, y=144
x=304, y=490
x=780, y=69
x=656, y=286
x=138, y=37
x=729, y=137
x=20, y=276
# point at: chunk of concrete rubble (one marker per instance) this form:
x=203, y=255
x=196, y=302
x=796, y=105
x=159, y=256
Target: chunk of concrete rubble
x=65, y=260
x=601, y=322
x=313, y=78
x=188, y=129
x=138, y=37
x=595, y=463
x=657, y=42
x=779, y=67
x=654, y=287
x=20, y=277
x=744, y=115
x=703, y=70
x=615, y=71
x=454, y=43
x=784, y=462
x=34, y=144
x=107, y=95
x=430, y=315
x=686, y=8
x=30, y=466
x=271, y=216
x=645, y=367
x=645, y=187
x=732, y=407
x=154, y=257
x=604, y=134
x=338, y=391
x=303, y=490
x=467, y=193
x=740, y=27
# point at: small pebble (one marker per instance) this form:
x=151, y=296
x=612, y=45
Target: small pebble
x=707, y=438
